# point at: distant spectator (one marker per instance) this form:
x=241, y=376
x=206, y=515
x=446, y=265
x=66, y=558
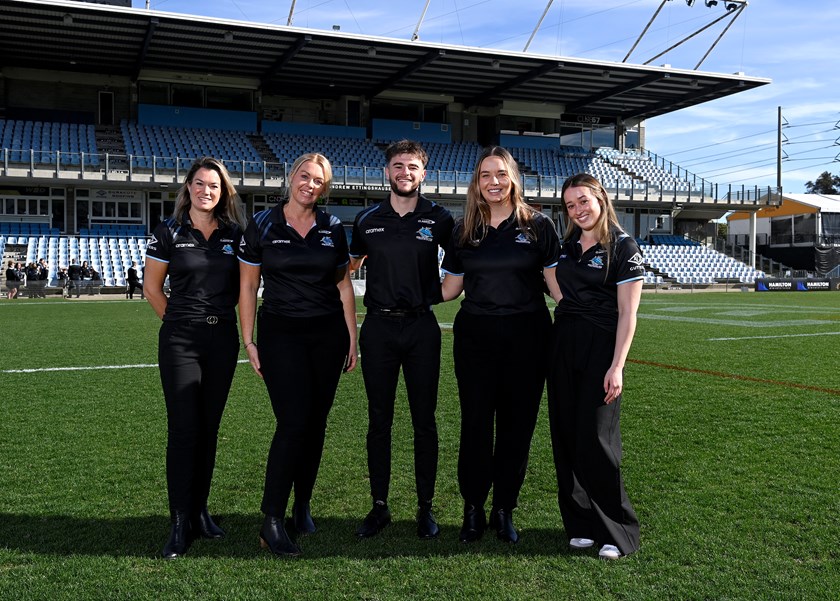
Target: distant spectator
x=133, y=281
x=74, y=275
x=12, y=281
x=32, y=280
x=64, y=281
x=43, y=277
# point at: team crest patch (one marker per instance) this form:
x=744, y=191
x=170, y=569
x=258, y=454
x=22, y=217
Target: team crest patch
x=327, y=241
x=521, y=239
x=425, y=234
x=227, y=249
x=596, y=263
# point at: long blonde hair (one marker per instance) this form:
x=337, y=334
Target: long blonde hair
x=607, y=222
x=477, y=211
x=229, y=209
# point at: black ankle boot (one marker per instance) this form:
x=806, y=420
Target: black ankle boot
x=179, y=536
x=302, y=518
x=273, y=536
x=474, y=525
x=502, y=521
x=203, y=526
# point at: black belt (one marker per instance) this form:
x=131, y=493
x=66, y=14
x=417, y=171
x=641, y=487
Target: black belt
x=397, y=312
x=210, y=320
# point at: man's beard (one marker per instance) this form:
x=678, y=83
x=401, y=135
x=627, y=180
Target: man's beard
x=404, y=193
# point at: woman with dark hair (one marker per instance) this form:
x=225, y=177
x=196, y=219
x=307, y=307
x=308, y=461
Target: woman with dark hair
x=600, y=273
x=12, y=280
x=198, y=343
x=306, y=333
x=502, y=255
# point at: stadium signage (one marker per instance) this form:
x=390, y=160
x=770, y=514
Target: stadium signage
x=370, y=187
x=796, y=285
x=593, y=119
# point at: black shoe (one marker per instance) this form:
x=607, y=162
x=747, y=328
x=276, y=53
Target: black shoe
x=273, y=536
x=203, y=526
x=376, y=519
x=179, y=536
x=427, y=526
x=475, y=522
x=502, y=521
x=302, y=518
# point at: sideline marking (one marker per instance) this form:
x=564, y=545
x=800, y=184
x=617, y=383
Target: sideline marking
x=720, y=374
x=777, y=336
x=36, y=370
x=738, y=323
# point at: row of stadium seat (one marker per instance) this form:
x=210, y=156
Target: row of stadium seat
x=168, y=148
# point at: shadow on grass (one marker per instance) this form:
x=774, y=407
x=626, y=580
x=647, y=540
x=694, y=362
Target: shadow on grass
x=144, y=536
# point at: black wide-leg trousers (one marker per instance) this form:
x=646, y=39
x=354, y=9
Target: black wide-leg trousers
x=586, y=437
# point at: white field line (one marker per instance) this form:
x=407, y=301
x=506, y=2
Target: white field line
x=85, y=368
x=740, y=323
x=778, y=336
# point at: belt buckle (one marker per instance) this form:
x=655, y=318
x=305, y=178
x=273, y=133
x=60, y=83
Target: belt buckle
x=212, y=320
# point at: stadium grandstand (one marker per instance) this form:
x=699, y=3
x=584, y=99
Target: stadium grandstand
x=104, y=108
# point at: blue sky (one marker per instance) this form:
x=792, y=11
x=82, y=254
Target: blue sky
x=731, y=140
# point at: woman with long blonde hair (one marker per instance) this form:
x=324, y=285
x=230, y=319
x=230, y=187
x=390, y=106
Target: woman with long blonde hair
x=502, y=256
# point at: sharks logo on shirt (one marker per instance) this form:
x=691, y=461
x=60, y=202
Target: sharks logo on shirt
x=425, y=234
x=328, y=242
x=596, y=263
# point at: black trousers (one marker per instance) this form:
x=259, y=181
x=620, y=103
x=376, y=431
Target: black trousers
x=132, y=286
x=301, y=360
x=386, y=344
x=197, y=362
x=586, y=437
x=500, y=365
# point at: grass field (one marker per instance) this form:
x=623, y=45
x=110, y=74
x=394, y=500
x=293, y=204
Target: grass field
x=731, y=425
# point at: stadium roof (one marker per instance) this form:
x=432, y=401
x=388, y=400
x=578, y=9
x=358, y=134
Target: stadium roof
x=141, y=44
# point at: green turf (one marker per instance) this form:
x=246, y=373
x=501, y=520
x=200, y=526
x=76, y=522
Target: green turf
x=731, y=460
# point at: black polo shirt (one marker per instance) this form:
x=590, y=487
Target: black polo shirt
x=203, y=274
x=298, y=273
x=589, y=286
x=503, y=274
x=402, y=253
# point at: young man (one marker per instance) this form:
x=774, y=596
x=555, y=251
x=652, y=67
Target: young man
x=399, y=240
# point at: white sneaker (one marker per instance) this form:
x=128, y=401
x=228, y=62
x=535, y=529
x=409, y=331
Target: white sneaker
x=609, y=552
x=581, y=543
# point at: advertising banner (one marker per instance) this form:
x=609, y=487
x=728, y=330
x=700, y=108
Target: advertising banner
x=796, y=284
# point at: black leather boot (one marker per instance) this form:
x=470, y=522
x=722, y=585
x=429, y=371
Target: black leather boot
x=273, y=536
x=502, y=521
x=179, y=536
x=474, y=524
x=203, y=526
x=302, y=518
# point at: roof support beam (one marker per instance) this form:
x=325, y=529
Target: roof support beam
x=284, y=59
x=512, y=83
x=421, y=62
x=147, y=40
x=612, y=92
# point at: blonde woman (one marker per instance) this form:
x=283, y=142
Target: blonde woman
x=502, y=255
x=306, y=336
